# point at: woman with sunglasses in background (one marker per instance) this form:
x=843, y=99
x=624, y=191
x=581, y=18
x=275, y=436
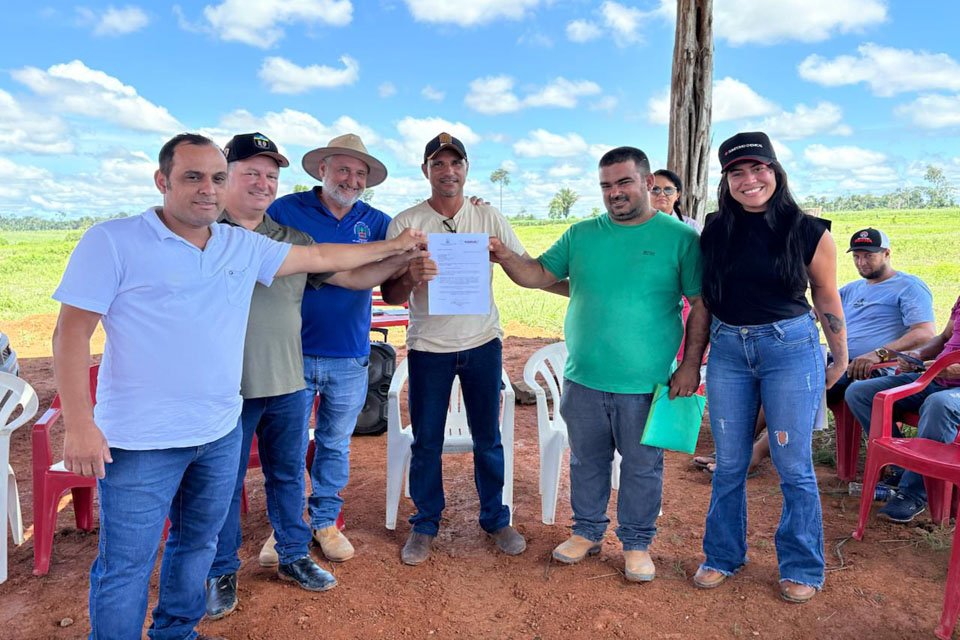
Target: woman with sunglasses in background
x=760, y=252
x=665, y=196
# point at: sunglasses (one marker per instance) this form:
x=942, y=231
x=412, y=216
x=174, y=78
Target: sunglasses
x=667, y=191
x=450, y=225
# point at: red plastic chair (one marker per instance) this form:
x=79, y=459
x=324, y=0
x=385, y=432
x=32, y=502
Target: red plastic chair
x=848, y=435
x=937, y=461
x=51, y=481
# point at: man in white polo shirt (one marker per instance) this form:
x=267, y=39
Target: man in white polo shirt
x=173, y=291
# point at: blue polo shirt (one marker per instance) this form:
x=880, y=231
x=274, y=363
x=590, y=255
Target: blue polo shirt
x=879, y=313
x=175, y=319
x=336, y=321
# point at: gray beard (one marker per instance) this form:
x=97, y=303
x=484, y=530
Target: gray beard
x=340, y=199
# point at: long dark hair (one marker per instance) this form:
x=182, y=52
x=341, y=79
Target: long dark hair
x=675, y=179
x=783, y=216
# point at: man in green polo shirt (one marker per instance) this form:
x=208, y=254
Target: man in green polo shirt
x=272, y=385
x=628, y=271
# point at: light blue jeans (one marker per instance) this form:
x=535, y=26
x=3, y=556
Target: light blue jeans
x=780, y=367
x=599, y=423
x=341, y=384
x=193, y=485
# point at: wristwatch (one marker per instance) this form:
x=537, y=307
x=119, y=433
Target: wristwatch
x=882, y=353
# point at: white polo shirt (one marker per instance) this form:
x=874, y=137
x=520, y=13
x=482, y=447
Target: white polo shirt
x=175, y=319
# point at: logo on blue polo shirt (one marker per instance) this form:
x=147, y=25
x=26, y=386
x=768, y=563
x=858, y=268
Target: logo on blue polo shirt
x=362, y=231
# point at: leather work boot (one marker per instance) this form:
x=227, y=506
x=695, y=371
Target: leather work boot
x=708, y=578
x=221, y=595
x=417, y=548
x=268, y=554
x=796, y=593
x=509, y=540
x=334, y=544
x=307, y=574
x=575, y=549
x=638, y=566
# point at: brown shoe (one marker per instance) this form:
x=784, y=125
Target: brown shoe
x=796, y=593
x=334, y=544
x=575, y=549
x=268, y=554
x=509, y=540
x=638, y=566
x=708, y=578
x=417, y=548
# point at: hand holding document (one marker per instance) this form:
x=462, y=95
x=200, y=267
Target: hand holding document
x=462, y=284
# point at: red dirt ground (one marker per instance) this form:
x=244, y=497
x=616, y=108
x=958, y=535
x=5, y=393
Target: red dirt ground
x=889, y=586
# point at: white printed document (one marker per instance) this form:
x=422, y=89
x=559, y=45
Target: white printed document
x=462, y=284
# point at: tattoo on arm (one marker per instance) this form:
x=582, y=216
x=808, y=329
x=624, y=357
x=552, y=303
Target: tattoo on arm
x=835, y=323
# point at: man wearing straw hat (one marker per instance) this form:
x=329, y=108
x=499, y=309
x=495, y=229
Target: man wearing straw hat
x=336, y=322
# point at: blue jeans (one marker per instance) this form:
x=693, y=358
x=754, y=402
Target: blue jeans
x=780, y=367
x=282, y=443
x=191, y=485
x=598, y=423
x=431, y=381
x=938, y=406
x=341, y=384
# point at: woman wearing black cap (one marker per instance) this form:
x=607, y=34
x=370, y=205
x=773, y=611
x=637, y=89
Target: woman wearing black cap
x=760, y=252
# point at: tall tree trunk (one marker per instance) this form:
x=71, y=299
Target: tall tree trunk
x=691, y=103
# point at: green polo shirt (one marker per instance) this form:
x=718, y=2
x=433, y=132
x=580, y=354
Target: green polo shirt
x=272, y=357
x=623, y=324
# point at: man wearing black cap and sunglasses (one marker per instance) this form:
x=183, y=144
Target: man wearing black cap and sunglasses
x=272, y=386
x=441, y=347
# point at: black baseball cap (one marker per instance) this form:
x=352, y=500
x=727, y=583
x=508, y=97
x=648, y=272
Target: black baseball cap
x=247, y=145
x=869, y=240
x=441, y=142
x=752, y=145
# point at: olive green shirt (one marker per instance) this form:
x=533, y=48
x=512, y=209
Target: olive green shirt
x=272, y=356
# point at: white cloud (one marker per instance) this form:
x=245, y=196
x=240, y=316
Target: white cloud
x=803, y=122
x=11, y=171
x=737, y=21
x=583, y=31
x=844, y=157
x=932, y=111
x=511, y=166
x=732, y=100
x=564, y=171
x=294, y=128
x=29, y=131
x=430, y=93
x=469, y=14
x=605, y=103
x=541, y=142
x=258, y=22
x=887, y=71
x=623, y=21
x=76, y=88
x=536, y=39
x=284, y=76
x=117, y=22
x=386, y=89
x=416, y=132
x=494, y=94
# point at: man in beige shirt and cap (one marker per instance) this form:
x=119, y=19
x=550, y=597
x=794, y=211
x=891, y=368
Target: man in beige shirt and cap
x=336, y=321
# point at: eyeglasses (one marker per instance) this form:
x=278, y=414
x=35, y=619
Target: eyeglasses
x=450, y=225
x=667, y=191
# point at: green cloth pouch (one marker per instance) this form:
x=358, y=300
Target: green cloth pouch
x=673, y=424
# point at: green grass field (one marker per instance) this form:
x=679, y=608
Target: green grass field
x=926, y=243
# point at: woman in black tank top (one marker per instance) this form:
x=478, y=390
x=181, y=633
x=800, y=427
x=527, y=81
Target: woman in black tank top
x=760, y=253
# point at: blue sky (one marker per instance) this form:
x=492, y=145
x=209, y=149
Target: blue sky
x=859, y=95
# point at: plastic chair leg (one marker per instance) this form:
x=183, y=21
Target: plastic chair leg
x=340, y=522
x=83, y=507
x=551, y=459
x=848, y=443
x=396, y=468
x=871, y=475
x=14, y=514
x=244, y=505
x=615, y=475
x=939, y=498
x=951, y=600
x=44, y=526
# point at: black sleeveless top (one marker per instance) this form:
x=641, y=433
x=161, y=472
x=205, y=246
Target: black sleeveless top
x=753, y=292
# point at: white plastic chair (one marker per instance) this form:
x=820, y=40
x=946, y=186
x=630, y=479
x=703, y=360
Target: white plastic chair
x=456, y=440
x=14, y=392
x=548, y=363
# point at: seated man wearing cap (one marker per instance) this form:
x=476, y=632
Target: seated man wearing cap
x=272, y=386
x=336, y=322
x=938, y=405
x=440, y=347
